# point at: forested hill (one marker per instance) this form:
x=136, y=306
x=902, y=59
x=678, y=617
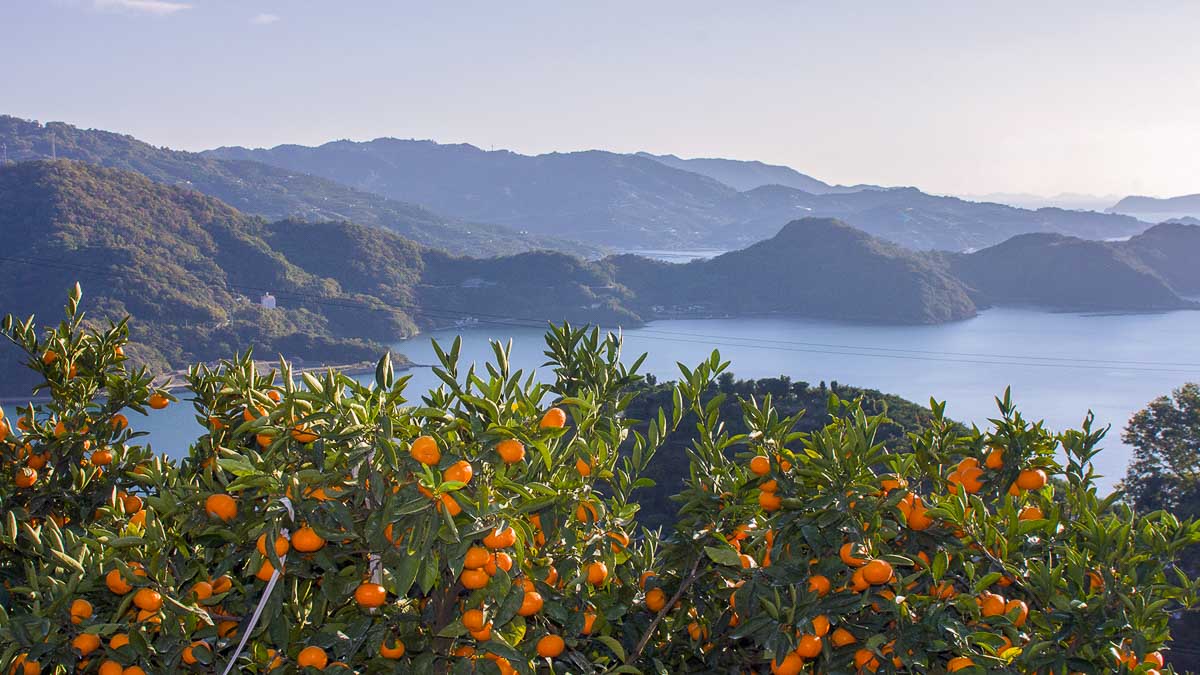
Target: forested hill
x=265, y=190
x=643, y=201
x=812, y=267
x=191, y=270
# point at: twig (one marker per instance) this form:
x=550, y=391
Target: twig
x=691, y=577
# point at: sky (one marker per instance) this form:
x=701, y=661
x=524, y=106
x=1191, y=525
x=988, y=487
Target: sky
x=976, y=97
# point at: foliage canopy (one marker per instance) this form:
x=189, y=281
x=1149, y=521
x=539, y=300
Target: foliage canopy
x=488, y=526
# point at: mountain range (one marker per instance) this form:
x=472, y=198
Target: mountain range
x=266, y=190
x=647, y=201
x=746, y=175
x=1157, y=209
x=190, y=270
x=469, y=201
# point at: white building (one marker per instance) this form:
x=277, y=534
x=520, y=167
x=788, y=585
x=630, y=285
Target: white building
x=267, y=301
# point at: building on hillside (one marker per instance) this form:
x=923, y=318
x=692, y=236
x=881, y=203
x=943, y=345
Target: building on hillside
x=267, y=300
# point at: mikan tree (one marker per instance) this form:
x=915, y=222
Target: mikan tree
x=490, y=526
x=326, y=523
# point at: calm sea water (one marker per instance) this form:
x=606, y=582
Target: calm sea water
x=1058, y=365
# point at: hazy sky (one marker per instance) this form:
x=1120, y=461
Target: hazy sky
x=954, y=97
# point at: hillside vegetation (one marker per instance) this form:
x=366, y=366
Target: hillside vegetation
x=324, y=524
x=265, y=190
x=642, y=201
x=191, y=270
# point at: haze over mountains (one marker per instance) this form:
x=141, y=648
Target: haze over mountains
x=470, y=201
x=1157, y=209
x=644, y=201
x=190, y=270
x=262, y=189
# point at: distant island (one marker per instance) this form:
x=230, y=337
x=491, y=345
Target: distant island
x=203, y=279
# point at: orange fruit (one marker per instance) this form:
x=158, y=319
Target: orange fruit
x=102, y=457
x=189, y=655
x=769, y=501
x=865, y=659
x=500, y=538
x=878, y=572
x=809, y=647
x=459, y=472
x=86, y=643
x=1031, y=479
x=995, y=459
x=589, y=621
x=847, y=554
x=760, y=465
x=446, y=501
x=842, y=637
x=819, y=584
x=586, y=512
x=370, y=595
x=597, y=572
x=281, y=545
x=820, y=625
x=511, y=450
x=554, y=418
x=265, y=571
x=116, y=582
x=202, y=590
x=302, y=434
x=118, y=640
x=306, y=540
x=111, y=668
x=25, y=477
x=425, y=450
x=476, y=557
x=221, y=506
x=858, y=583
x=1031, y=513
x=531, y=604
x=656, y=599
x=473, y=579
x=550, y=646
x=148, y=599
x=222, y=584
x=484, y=634
x=158, y=401
x=392, y=649
x=792, y=664
x=620, y=541
x=991, y=604
x=958, y=663
x=583, y=468
x=81, y=610
x=473, y=620
x=1021, y=609
x=312, y=657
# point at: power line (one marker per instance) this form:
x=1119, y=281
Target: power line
x=686, y=338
